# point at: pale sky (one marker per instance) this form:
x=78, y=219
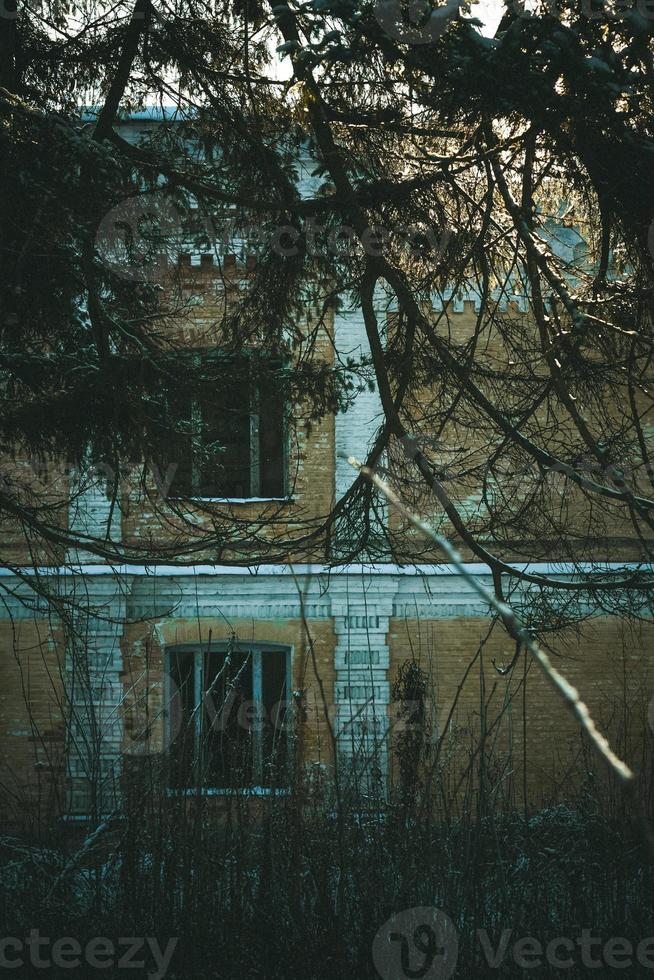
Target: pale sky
x=490, y=12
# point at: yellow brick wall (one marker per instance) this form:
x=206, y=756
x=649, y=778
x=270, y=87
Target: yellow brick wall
x=610, y=664
x=596, y=528
x=38, y=483
x=32, y=727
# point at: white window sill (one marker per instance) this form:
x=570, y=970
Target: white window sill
x=237, y=500
x=245, y=791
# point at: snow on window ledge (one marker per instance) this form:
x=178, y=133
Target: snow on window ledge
x=237, y=500
x=231, y=791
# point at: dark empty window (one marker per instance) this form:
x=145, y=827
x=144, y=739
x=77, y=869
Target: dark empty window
x=230, y=439
x=228, y=718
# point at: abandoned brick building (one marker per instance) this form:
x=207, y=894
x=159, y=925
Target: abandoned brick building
x=331, y=637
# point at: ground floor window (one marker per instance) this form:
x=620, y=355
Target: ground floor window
x=228, y=717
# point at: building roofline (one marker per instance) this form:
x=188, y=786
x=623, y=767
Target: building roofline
x=155, y=113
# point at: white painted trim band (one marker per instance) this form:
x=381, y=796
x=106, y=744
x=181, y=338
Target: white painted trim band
x=358, y=568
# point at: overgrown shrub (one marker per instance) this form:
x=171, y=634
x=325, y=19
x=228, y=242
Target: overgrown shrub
x=297, y=887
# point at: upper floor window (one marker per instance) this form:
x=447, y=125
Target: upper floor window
x=233, y=439
x=229, y=718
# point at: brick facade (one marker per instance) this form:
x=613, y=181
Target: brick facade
x=348, y=630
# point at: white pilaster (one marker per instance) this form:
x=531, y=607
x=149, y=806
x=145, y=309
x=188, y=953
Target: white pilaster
x=361, y=608
x=94, y=509
x=94, y=665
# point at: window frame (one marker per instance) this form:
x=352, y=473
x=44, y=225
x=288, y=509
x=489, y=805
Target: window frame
x=253, y=449
x=199, y=650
